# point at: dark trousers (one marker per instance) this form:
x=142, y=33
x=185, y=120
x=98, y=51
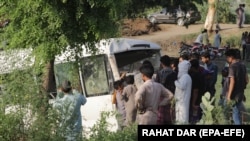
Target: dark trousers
x=247, y=51
x=243, y=52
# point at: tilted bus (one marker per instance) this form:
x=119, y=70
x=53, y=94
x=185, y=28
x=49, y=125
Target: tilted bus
x=94, y=74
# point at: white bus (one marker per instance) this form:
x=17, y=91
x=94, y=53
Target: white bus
x=94, y=75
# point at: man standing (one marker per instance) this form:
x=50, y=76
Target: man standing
x=69, y=108
x=205, y=40
x=148, y=97
x=239, y=13
x=217, y=39
x=120, y=104
x=212, y=69
x=197, y=91
x=128, y=94
x=166, y=76
x=243, y=15
x=199, y=38
x=237, y=83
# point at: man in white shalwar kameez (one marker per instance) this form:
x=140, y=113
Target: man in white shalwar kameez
x=183, y=93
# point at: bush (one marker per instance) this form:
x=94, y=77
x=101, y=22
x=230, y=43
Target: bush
x=100, y=131
x=214, y=114
x=233, y=41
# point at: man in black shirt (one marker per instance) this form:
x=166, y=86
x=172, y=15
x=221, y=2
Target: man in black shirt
x=237, y=83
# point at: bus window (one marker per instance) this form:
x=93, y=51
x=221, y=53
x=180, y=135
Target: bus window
x=68, y=71
x=131, y=61
x=95, y=75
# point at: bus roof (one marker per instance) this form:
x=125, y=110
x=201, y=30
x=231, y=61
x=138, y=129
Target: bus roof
x=113, y=46
x=117, y=45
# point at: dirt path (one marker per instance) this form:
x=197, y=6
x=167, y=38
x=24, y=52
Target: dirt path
x=171, y=34
x=171, y=30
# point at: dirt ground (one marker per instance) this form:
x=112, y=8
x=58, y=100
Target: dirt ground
x=170, y=35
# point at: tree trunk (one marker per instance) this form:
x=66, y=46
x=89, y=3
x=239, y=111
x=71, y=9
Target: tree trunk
x=210, y=15
x=49, y=84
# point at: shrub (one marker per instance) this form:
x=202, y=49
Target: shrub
x=101, y=131
x=213, y=113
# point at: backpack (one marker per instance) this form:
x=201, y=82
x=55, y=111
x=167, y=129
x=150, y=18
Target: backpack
x=167, y=78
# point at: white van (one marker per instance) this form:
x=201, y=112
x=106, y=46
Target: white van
x=93, y=75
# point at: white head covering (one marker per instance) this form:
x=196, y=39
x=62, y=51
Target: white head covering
x=183, y=68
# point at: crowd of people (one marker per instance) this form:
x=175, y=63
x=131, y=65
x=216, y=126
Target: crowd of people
x=174, y=95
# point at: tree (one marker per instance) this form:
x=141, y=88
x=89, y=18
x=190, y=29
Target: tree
x=210, y=14
x=50, y=26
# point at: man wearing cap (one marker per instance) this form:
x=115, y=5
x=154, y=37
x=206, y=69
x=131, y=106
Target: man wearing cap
x=70, y=114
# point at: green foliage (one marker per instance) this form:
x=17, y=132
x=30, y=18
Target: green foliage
x=11, y=128
x=50, y=26
x=213, y=113
x=45, y=126
x=25, y=112
x=189, y=37
x=15, y=90
x=207, y=108
x=233, y=41
x=202, y=8
x=100, y=131
x=224, y=13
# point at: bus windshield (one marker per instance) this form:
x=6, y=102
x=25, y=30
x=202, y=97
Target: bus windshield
x=131, y=61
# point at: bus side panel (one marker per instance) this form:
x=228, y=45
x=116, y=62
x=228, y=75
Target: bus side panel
x=91, y=111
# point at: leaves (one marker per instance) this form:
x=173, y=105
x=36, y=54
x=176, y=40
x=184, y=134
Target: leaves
x=53, y=25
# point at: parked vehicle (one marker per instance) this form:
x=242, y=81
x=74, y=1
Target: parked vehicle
x=95, y=74
x=217, y=52
x=174, y=16
x=189, y=49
